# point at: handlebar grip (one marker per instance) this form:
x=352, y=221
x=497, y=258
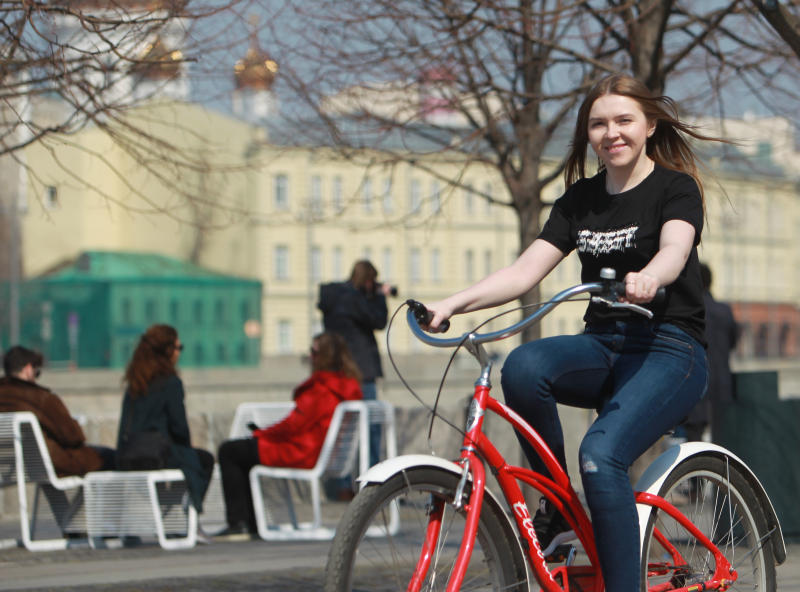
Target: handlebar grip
x=661, y=293
x=423, y=315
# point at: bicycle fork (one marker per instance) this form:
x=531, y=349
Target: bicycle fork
x=471, y=466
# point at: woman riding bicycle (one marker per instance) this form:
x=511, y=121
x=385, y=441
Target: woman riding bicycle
x=642, y=215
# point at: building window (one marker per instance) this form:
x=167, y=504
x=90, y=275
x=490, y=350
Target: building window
x=469, y=200
x=284, y=336
x=222, y=353
x=241, y=353
x=366, y=253
x=762, y=341
x=414, y=266
x=785, y=341
x=336, y=194
x=51, y=198
x=197, y=311
x=219, y=311
x=436, y=197
x=150, y=311
x=174, y=311
x=281, y=192
x=469, y=266
x=488, y=197
x=281, y=262
x=366, y=195
x=245, y=310
x=316, y=264
x=386, y=197
x=436, y=265
x=316, y=195
x=414, y=196
x=487, y=262
x=126, y=311
x=387, y=264
x=338, y=263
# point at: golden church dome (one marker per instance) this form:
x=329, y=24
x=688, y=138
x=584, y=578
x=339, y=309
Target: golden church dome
x=158, y=61
x=256, y=71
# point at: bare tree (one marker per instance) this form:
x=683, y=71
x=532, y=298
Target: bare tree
x=781, y=17
x=66, y=65
x=497, y=82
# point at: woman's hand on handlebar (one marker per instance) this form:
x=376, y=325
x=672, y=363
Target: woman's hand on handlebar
x=440, y=314
x=640, y=287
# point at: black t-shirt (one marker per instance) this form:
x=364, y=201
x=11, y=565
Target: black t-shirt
x=622, y=232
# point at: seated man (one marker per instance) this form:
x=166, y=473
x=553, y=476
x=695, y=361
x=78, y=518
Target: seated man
x=65, y=439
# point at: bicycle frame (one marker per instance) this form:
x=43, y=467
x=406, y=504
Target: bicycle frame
x=477, y=449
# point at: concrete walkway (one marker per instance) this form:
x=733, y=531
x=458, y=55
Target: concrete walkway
x=230, y=566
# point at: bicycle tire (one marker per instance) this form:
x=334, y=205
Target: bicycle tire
x=722, y=503
x=387, y=561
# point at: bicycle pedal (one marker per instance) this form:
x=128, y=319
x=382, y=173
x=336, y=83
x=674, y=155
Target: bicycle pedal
x=561, y=554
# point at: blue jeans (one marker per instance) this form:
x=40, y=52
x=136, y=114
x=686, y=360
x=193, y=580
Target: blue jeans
x=643, y=378
x=370, y=391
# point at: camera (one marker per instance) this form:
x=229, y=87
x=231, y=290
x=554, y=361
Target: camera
x=392, y=289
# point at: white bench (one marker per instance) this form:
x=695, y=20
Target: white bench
x=24, y=461
x=90, y=508
x=346, y=442
x=140, y=503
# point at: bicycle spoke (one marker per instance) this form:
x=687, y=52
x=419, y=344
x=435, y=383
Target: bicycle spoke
x=722, y=505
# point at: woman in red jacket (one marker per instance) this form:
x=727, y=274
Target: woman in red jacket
x=296, y=440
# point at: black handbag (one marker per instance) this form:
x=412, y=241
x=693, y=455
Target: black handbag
x=143, y=451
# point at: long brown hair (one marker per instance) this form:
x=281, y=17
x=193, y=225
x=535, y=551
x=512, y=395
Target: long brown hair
x=668, y=146
x=151, y=359
x=363, y=272
x=331, y=353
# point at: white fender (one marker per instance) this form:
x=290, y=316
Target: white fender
x=386, y=469
x=655, y=475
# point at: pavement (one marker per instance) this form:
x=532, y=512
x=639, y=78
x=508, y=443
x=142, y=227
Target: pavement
x=243, y=566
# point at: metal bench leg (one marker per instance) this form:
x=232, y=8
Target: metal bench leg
x=191, y=523
x=289, y=501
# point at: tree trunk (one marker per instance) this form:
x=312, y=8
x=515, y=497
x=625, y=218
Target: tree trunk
x=782, y=21
x=528, y=204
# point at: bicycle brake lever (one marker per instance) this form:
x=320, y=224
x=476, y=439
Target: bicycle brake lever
x=626, y=305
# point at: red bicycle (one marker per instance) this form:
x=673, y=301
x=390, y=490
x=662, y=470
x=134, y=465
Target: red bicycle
x=421, y=522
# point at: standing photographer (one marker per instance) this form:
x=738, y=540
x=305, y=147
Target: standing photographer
x=355, y=309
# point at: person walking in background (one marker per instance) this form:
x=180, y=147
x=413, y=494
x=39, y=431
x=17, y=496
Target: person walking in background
x=153, y=412
x=722, y=333
x=355, y=309
x=63, y=435
x=295, y=441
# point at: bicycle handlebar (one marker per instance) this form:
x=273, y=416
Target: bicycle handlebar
x=607, y=291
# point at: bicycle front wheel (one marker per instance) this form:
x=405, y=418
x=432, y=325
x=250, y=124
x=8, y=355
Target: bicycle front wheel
x=372, y=552
x=720, y=501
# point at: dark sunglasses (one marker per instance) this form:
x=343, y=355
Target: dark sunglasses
x=37, y=372
x=179, y=347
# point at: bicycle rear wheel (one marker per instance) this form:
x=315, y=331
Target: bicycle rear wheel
x=365, y=555
x=720, y=501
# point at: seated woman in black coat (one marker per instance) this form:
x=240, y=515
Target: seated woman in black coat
x=153, y=402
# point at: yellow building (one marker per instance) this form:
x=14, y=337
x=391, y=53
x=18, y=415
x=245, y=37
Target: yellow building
x=217, y=191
